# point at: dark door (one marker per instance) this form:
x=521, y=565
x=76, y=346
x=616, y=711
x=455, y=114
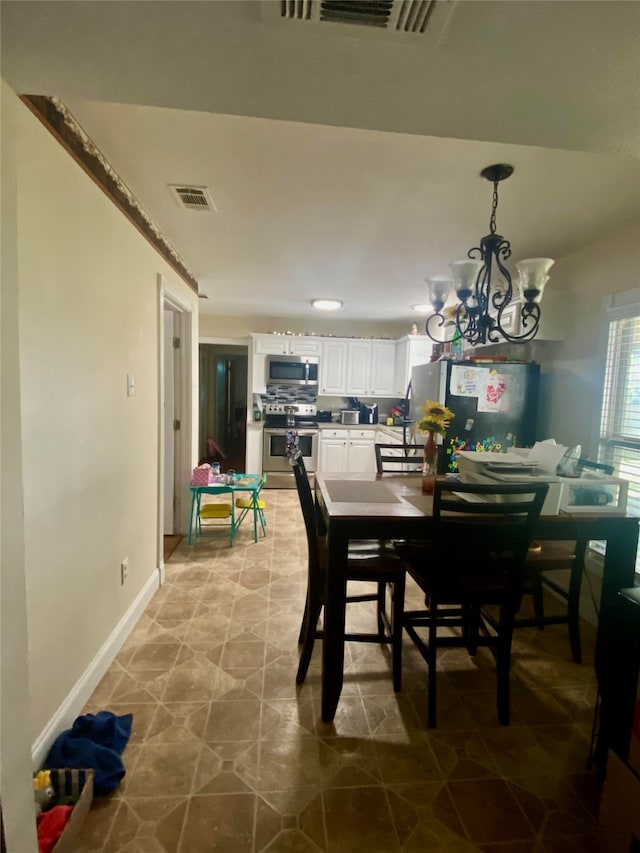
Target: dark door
x=223, y=404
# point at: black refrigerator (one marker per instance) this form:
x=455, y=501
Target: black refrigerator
x=495, y=404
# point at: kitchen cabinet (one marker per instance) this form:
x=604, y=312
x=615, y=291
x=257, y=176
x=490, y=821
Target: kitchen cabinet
x=383, y=363
x=333, y=368
x=287, y=345
x=410, y=350
x=388, y=437
x=553, y=313
x=358, y=368
x=347, y=450
x=371, y=368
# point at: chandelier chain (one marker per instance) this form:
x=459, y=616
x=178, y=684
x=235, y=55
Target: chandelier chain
x=494, y=207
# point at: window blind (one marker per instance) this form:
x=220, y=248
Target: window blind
x=620, y=422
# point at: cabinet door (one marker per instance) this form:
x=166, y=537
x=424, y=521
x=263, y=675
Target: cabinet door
x=412, y=350
x=333, y=367
x=383, y=368
x=402, y=366
x=333, y=455
x=362, y=458
x=358, y=368
x=271, y=345
x=305, y=346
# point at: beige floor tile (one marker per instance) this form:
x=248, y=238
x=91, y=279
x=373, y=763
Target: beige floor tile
x=359, y=820
x=223, y=823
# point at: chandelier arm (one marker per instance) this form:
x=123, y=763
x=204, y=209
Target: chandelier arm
x=440, y=321
x=530, y=316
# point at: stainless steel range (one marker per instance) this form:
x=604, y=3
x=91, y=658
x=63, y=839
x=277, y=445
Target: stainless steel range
x=279, y=418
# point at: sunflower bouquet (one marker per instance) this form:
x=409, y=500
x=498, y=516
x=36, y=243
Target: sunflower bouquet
x=437, y=418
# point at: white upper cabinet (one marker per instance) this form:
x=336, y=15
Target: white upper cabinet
x=371, y=368
x=287, y=345
x=383, y=366
x=357, y=368
x=410, y=350
x=553, y=312
x=333, y=367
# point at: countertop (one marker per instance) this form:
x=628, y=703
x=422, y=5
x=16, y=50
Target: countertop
x=393, y=431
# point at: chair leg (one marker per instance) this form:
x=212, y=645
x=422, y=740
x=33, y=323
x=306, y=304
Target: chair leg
x=312, y=614
x=380, y=608
x=573, y=604
x=503, y=662
x=538, y=601
x=305, y=621
x=396, y=631
x=471, y=628
x=431, y=664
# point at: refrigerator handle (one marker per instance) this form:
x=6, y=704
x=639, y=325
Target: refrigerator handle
x=407, y=397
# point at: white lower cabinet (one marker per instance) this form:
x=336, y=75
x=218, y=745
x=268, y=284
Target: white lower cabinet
x=347, y=450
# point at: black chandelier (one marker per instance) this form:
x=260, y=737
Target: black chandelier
x=488, y=309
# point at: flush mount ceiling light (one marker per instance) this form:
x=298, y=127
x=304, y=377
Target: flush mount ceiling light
x=423, y=308
x=326, y=304
x=488, y=307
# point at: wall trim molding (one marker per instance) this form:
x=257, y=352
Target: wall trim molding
x=80, y=693
x=59, y=121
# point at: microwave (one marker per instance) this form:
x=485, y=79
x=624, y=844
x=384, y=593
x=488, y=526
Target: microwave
x=292, y=370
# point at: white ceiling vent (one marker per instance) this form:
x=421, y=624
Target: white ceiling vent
x=192, y=198
x=392, y=16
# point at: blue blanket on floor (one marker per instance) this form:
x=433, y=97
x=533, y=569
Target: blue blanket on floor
x=94, y=741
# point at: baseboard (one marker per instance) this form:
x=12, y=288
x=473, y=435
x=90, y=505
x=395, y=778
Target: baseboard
x=83, y=688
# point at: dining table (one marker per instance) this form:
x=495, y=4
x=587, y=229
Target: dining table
x=392, y=506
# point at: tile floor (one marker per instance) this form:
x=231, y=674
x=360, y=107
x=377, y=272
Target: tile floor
x=227, y=755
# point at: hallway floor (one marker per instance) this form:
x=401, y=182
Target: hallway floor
x=227, y=755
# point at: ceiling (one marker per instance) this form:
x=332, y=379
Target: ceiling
x=344, y=161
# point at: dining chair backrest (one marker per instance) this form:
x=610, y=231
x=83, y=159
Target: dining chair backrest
x=307, y=505
x=398, y=458
x=486, y=523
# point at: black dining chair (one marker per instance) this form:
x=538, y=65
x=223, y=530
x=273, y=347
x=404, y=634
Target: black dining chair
x=472, y=574
x=369, y=561
x=544, y=560
x=399, y=458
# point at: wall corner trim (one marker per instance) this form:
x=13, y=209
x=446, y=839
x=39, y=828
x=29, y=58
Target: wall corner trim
x=55, y=116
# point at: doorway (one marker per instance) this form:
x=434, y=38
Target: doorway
x=176, y=444
x=223, y=405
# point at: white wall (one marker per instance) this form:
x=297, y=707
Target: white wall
x=15, y=729
x=87, y=289
x=574, y=369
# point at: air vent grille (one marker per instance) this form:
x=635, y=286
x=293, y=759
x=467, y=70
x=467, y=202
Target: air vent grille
x=402, y=16
x=192, y=198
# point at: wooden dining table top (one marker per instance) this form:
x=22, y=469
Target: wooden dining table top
x=398, y=497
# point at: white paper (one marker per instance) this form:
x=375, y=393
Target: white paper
x=547, y=455
x=467, y=380
x=495, y=396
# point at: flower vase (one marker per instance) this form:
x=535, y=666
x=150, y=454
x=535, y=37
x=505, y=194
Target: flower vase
x=429, y=464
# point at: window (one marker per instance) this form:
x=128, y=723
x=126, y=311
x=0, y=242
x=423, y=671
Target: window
x=620, y=422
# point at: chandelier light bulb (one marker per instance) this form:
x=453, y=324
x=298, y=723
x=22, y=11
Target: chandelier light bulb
x=438, y=288
x=532, y=277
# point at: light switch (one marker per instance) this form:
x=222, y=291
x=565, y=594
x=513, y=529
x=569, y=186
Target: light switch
x=131, y=385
